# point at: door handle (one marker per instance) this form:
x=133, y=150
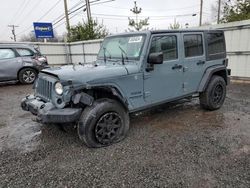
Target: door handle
x=176, y=67
x=200, y=63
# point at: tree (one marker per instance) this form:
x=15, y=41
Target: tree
x=214, y=10
x=236, y=10
x=87, y=31
x=135, y=23
x=175, y=25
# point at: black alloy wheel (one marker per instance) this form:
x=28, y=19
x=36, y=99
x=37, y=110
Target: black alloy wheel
x=108, y=128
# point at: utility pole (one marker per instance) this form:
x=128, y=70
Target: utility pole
x=67, y=16
x=88, y=10
x=219, y=7
x=13, y=31
x=201, y=10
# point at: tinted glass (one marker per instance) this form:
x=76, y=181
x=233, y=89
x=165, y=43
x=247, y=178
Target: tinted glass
x=24, y=52
x=165, y=44
x=215, y=43
x=193, y=45
x=6, y=54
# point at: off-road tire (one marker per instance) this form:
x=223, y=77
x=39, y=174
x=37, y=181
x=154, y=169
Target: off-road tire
x=91, y=119
x=27, y=76
x=214, y=95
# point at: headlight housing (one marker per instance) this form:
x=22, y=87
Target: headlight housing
x=58, y=88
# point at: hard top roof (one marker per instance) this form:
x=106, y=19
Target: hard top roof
x=167, y=31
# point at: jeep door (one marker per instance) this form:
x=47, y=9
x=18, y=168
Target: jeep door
x=194, y=60
x=164, y=81
x=9, y=64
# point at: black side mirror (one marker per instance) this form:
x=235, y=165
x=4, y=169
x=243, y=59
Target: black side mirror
x=155, y=58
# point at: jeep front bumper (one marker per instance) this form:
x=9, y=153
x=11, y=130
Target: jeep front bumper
x=48, y=113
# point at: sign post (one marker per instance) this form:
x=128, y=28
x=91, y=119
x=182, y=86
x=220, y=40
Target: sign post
x=43, y=30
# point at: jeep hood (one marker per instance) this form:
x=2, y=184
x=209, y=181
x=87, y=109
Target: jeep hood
x=90, y=73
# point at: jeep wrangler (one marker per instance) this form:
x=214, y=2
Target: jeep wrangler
x=133, y=72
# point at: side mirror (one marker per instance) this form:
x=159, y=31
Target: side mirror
x=155, y=58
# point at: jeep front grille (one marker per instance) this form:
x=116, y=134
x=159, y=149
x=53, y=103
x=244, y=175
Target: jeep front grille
x=44, y=89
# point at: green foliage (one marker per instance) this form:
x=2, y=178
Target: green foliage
x=139, y=24
x=175, y=25
x=87, y=31
x=236, y=10
x=135, y=23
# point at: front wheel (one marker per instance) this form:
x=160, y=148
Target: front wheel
x=27, y=76
x=214, y=95
x=104, y=123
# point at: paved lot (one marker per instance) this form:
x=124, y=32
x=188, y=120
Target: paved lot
x=176, y=146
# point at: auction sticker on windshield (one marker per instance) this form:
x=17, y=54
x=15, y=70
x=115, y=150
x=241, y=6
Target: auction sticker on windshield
x=135, y=39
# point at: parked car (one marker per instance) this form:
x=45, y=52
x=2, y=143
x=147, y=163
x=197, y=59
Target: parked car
x=133, y=72
x=20, y=62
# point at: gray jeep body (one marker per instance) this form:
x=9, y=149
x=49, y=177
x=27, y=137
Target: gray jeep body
x=137, y=84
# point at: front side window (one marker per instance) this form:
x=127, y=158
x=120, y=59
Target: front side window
x=24, y=52
x=193, y=45
x=165, y=44
x=7, y=54
x=128, y=46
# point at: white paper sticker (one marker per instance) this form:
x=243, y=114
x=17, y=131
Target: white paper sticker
x=135, y=39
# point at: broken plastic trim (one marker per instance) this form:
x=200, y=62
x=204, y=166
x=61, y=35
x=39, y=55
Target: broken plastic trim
x=83, y=98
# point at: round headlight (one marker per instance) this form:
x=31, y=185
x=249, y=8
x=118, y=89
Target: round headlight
x=59, y=88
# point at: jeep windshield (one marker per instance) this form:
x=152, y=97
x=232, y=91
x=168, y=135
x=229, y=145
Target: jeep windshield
x=124, y=47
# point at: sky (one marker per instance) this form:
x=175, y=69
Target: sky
x=114, y=14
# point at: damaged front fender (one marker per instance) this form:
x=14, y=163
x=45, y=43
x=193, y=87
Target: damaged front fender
x=83, y=98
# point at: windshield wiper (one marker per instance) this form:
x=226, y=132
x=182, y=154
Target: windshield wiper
x=123, y=52
x=104, y=54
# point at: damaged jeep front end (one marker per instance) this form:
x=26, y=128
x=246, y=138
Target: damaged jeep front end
x=46, y=112
x=50, y=107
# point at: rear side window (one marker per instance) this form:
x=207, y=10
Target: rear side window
x=193, y=45
x=216, y=45
x=24, y=52
x=165, y=44
x=7, y=54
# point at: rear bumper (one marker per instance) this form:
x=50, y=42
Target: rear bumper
x=48, y=113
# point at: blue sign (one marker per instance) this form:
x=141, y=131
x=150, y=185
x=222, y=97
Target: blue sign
x=43, y=30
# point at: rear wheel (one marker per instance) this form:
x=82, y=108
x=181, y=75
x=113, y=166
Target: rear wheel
x=214, y=95
x=27, y=76
x=104, y=123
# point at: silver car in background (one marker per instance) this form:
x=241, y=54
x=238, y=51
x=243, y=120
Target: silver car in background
x=20, y=62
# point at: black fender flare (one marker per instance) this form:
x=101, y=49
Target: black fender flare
x=210, y=71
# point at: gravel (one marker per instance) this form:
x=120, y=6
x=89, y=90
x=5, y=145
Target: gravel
x=177, y=145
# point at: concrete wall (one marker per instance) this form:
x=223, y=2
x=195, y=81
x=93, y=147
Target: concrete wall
x=237, y=38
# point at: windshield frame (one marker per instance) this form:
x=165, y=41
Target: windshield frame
x=144, y=35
